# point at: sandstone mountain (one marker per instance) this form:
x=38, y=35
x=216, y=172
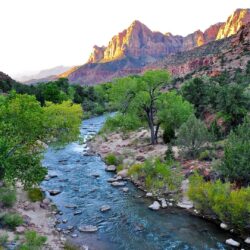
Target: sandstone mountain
x=137, y=49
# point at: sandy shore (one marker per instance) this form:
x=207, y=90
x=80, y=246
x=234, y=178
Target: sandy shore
x=38, y=216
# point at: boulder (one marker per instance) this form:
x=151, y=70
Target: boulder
x=247, y=240
x=155, y=206
x=20, y=229
x=125, y=189
x=186, y=204
x=77, y=212
x=224, y=226
x=149, y=195
x=163, y=203
x=88, y=229
x=105, y=208
x=232, y=242
x=111, y=168
x=46, y=201
x=123, y=173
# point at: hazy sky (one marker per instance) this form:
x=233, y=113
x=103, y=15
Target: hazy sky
x=39, y=34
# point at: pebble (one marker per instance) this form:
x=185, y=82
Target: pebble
x=118, y=184
x=111, y=168
x=74, y=235
x=88, y=229
x=64, y=221
x=105, y=208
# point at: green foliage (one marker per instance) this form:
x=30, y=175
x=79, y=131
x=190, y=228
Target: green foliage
x=173, y=113
x=7, y=196
x=33, y=241
x=69, y=246
x=141, y=97
x=192, y=137
x=122, y=122
x=35, y=194
x=205, y=155
x=231, y=206
x=12, y=220
x=111, y=159
x=157, y=176
x=236, y=162
x=24, y=125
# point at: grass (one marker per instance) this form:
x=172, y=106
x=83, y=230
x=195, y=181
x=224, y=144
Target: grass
x=11, y=220
x=7, y=197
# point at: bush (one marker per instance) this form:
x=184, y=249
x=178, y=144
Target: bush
x=192, y=137
x=35, y=194
x=12, y=220
x=236, y=162
x=33, y=241
x=111, y=159
x=219, y=199
x=69, y=246
x=7, y=197
x=206, y=156
x=157, y=176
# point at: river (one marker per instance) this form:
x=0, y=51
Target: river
x=129, y=224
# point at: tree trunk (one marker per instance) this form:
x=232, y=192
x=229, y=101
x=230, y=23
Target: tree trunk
x=156, y=132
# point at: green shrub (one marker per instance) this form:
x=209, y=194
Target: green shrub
x=236, y=162
x=219, y=199
x=119, y=168
x=192, y=137
x=70, y=246
x=33, y=241
x=3, y=239
x=157, y=176
x=111, y=159
x=206, y=155
x=12, y=220
x=7, y=197
x=35, y=194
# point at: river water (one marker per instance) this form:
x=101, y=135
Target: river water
x=129, y=224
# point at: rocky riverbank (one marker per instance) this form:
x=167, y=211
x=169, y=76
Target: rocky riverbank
x=37, y=216
x=135, y=148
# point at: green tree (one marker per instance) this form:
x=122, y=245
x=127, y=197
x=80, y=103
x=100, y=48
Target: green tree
x=142, y=96
x=236, y=162
x=173, y=113
x=24, y=128
x=192, y=136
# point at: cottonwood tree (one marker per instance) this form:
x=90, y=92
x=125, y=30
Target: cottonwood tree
x=142, y=96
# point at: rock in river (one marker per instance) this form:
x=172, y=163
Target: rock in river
x=232, y=242
x=88, y=229
x=118, y=183
x=155, y=206
x=110, y=168
x=105, y=208
x=54, y=192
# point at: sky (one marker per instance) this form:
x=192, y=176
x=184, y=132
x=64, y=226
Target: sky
x=41, y=34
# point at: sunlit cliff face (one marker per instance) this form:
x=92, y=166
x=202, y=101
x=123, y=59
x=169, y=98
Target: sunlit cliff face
x=234, y=23
x=139, y=41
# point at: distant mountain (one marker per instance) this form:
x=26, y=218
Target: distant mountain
x=47, y=74
x=137, y=49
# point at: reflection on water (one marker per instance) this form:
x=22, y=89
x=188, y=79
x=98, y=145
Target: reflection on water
x=129, y=224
